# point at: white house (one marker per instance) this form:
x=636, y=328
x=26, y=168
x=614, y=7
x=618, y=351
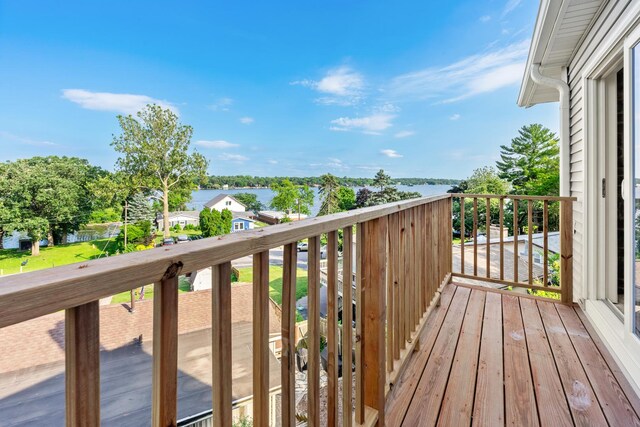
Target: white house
x=225, y=201
x=584, y=55
x=180, y=217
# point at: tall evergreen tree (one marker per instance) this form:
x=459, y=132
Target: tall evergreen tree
x=531, y=162
x=139, y=209
x=226, y=218
x=329, y=189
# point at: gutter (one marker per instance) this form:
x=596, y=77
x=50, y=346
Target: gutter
x=565, y=157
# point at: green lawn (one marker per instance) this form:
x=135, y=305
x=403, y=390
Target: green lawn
x=275, y=281
x=10, y=259
x=125, y=297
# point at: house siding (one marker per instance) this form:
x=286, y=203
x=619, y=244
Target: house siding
x=608, y=19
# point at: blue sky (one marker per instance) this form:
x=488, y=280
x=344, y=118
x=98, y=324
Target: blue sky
x=424, y=89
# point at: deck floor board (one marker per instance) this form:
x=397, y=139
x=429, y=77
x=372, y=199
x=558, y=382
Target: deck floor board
x=493, y=359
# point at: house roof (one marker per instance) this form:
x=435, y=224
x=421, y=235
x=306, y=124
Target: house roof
x=560, y=28
x=279, y=214
x=32, y=370
x=189, y=214
x=219, y=198
x=242, y=215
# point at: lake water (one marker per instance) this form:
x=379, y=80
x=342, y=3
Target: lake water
x=200, y=197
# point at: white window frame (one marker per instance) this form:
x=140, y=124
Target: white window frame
x=238, y=226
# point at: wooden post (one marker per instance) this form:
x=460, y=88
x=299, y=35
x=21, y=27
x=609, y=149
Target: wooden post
x=82, y=363
x=261, y=339
x=347, y=320
x=313, y=341
x=566, y=251
x=545, y=246
x=462, y=232
x=221, y=343
x=516, y=277
x=475, y=236
x=530, y=239
x=332, y=327
x=488, y=233
x=501, y=239
x=287, y=361
x=373, y=308
x=165, y=348
x=358, y=414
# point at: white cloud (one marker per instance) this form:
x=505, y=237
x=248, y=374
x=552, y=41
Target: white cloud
x=26, y=141
x=404, y=134
x=510, y=6
x=454, y=117
x=485, y=18
x=476, y=74
x=236, y=158
x=370, y=124
x=391, y=153
x=221, y=104
x=342, y=86
x=246, y=120
x=221, y=144
x=272, y=162
x=125, y=103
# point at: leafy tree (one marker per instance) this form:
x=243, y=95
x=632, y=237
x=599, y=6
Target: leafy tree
x=362, y=197
x=531, y=162
x=216, y=223
x=292, y=198
x=485, y=180
x=250, y=200
x=206, y=223
x=346, y=199
x=226, y=218
x=381, y=180
x=47, y=196
x=329, y=189
x=139, y=208
x=155, y=153
x=138, y=233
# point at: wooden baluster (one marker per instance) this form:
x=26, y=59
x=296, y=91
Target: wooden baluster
x=516, y=277
x=347, y=321
x=261, y=339
x=394, y=314
x=82, y=365
x=359, y=387
x=408, y=294
x=475, y=236
x=566, y=251
x=290, y=263
x=165, y=348
x=501, y=238
x=448, y=203
x=415, y=271
x=389, y=290
x=462, y=231
x=373, y=264
x=332, y=327
x=313, y=344
x=488, y=232
x=545, y=245
x=530, y=238
x=221, y=343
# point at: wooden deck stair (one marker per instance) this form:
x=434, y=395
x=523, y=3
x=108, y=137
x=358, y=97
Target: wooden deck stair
x=488, y=358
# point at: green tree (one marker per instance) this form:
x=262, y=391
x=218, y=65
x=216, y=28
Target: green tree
x=154, y=150
x=226, y=218
x=139, y=208
x=329, y=192
x=531, y=162
x=363, y=197
x=206, y=223
x=250, y=200
x=346, y=199
x=485, y=180
x=217, y=228
x=381, y=180
x=291, y=198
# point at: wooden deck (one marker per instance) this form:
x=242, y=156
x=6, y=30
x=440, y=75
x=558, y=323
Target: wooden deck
x=488, y=358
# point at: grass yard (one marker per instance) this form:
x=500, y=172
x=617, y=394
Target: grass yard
x=10, y=259
x=275, y=281
x=125, y=297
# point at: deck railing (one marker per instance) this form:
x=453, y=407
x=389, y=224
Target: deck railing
x=403, y=256
x=517, y=221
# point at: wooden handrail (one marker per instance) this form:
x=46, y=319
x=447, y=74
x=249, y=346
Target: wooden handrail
x=34, y=294
x=516, y=197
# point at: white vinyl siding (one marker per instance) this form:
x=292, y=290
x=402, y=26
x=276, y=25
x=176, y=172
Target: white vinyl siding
x=603, y=24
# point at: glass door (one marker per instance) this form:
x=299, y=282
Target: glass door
x=632, y=197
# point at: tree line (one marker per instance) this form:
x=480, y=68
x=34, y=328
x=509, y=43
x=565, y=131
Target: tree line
x=247, y=181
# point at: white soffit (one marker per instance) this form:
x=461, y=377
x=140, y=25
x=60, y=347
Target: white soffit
x=560, y=27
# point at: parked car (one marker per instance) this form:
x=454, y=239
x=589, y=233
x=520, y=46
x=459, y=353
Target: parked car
x=183, y=238
x=168, y=241
x=303, y=247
